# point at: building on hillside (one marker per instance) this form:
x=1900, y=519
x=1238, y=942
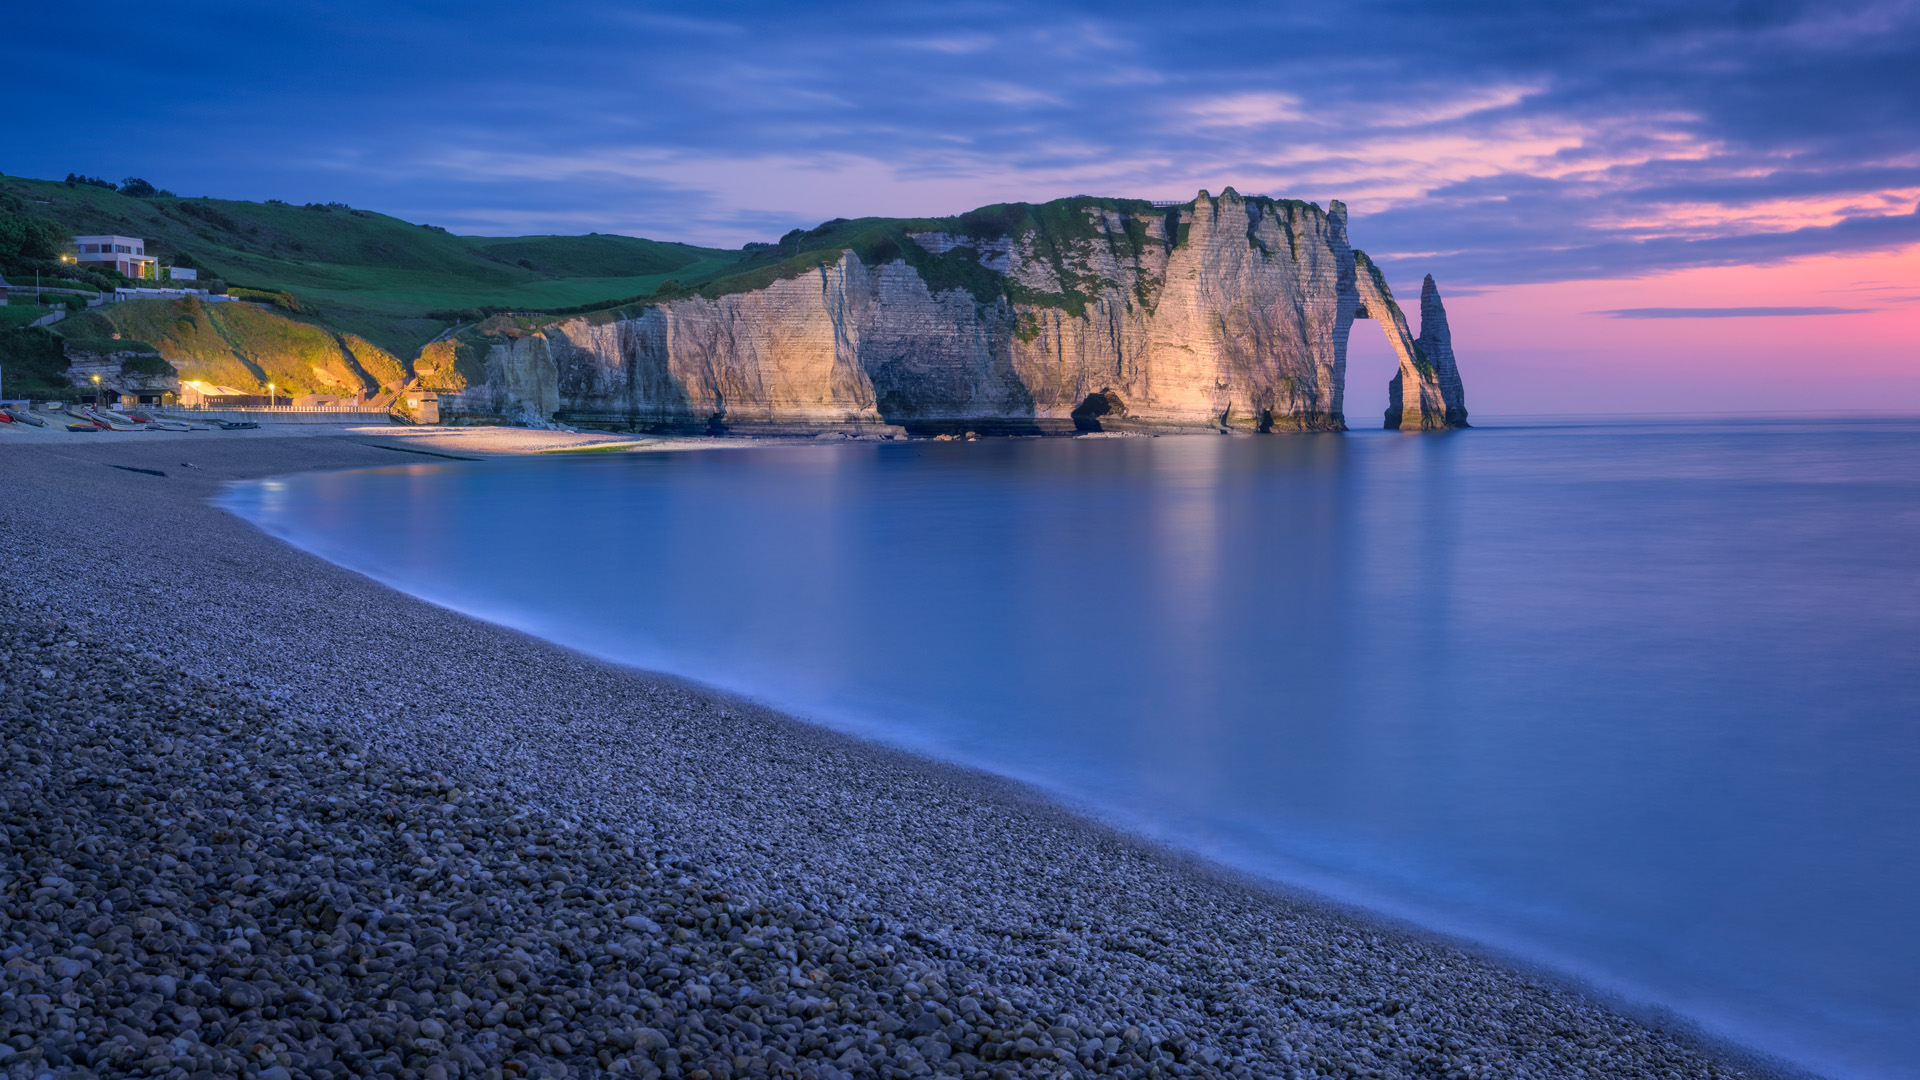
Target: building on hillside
x=328, y=401
x=140, y=293
x=181, y=273
x=196, y=392
x=126, y=254
x=3, y=290
x=424, y=405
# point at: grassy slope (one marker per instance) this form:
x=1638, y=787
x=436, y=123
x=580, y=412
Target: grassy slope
x=20, y=315
x=370, y=274
x=245, y=346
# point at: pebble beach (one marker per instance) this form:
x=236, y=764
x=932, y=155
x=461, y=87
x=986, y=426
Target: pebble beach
x=266, y=818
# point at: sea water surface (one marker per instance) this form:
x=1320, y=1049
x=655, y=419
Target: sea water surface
x=1639, y=701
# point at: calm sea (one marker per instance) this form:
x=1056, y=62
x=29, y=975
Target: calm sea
x=1640, y=701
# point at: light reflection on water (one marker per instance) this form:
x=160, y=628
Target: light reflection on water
x=1635, y=700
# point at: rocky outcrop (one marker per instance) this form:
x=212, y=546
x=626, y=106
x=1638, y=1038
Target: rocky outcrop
x=1435, y=345
x=120, y=367
x=1425, y=394
x=1226, y=313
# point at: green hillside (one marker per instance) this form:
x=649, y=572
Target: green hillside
x=245, y=346
x=392, y=282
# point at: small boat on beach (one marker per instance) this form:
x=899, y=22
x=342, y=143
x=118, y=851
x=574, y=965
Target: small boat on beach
x=159, y=423
x=23, y=416
x=106, y=420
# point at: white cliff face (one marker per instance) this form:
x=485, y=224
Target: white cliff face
x=1228, y=313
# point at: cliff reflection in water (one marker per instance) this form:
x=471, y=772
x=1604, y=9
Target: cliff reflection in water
x=1633, y=701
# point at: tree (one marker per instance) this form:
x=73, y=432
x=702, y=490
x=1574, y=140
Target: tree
x=25, y=237
x=138, y=188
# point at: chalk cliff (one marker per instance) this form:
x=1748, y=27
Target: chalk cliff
x=1223, y=313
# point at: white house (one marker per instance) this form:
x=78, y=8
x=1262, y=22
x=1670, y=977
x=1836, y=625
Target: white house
x=126, y=254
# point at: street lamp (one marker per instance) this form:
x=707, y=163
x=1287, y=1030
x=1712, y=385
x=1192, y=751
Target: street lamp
x=96, y=391
x=270, y=397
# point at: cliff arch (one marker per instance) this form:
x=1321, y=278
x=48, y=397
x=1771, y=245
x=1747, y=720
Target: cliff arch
x=1426, y=393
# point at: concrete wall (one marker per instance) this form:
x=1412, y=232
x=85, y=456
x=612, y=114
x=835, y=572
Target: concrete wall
x=281, y=416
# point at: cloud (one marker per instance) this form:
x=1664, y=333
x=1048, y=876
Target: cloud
x=1496, y=142
x=1244, y=110
x=1725, y=312
x=953, y=45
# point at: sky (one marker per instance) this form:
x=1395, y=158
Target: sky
x=1694, y=207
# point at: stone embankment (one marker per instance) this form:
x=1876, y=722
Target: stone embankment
x=264, y=818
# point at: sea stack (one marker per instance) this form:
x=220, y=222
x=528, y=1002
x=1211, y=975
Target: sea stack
x=1434, y=346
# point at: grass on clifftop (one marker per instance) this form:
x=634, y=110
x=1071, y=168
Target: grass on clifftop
x=1056, y=231
x=1056, y=228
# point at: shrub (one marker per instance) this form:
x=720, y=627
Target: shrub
x=994, y=222
x=140, y=189
x=282, y=299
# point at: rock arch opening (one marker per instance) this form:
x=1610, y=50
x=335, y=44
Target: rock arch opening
x=1371, y=365
x=1424, y=393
